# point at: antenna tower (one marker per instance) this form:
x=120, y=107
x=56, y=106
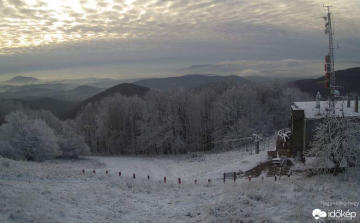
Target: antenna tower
x=329, y=62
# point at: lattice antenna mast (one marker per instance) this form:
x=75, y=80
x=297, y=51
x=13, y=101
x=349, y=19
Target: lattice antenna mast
x=330, y=62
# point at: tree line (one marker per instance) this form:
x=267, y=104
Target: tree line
x=178, y=121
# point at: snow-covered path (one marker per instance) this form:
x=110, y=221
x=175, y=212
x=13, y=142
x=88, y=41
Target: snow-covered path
x=187, y=167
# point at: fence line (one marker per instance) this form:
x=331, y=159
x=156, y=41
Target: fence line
x=148, y=178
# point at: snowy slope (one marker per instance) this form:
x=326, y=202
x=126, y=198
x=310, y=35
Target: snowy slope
x=57, y=191
x=187, y=167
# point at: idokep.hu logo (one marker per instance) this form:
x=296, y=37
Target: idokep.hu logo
x=342, y=215
x=317, y=214
x=334, y=215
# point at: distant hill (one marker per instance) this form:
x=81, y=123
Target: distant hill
x=349, y=78
x=187, y=81
x=22, y=80
x=55, y=106
x=123, y=89
x=261, y=79
x=34, y=92
x=105, y=84
x=63, y=92
x=4, y=88
x=82, y=89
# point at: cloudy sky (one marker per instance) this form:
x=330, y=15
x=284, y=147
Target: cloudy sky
x=57, y=39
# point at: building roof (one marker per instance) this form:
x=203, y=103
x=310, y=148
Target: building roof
x=311, y=112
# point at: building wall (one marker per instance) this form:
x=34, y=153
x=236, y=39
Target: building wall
x=297, y=128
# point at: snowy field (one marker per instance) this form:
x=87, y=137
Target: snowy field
x=57, y=191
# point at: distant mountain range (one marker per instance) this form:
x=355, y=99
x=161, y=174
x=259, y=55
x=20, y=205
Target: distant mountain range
x=54, y=91
x=349, y=79
x=186, y=81
x=22, y=80
x=66, y=99
x=125, y=89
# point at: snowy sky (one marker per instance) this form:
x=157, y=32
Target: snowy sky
x=147, y=38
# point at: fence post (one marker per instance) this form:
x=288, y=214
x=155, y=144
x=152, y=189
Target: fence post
x=224, y=177
x=234, y=176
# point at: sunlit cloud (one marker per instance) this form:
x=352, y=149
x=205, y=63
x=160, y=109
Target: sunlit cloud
x=49, y=35
x=31, y=25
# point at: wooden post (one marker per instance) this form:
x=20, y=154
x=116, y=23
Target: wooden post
x=234, y=176
x=224, y=177
x=134, y=177
x=179, y=180
x=165, y=180
x=280, y=173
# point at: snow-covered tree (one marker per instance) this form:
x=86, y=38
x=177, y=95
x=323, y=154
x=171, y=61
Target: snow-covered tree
x=28, y=139
x=337, y=140
x=182, y=120
x=71, y=144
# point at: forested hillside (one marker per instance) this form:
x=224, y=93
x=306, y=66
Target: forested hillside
x=179, y=120
x=348, y=79
x=124, y=89
x=187, y=81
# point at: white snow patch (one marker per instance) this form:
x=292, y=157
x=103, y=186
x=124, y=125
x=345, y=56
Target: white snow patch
x=57, y=191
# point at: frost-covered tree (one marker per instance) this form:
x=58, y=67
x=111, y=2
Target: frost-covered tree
x=28, y=139
x=337, y=140
x=38, y=135
x=85, y=125
x=71, y=144
x=182, y=120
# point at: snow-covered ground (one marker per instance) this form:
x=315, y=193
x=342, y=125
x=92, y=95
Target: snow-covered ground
x=188, y=167
x=57, y=191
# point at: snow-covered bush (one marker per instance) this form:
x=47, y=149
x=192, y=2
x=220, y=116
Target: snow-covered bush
x=29, y=139
x=39, y=135
x=6, y=150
